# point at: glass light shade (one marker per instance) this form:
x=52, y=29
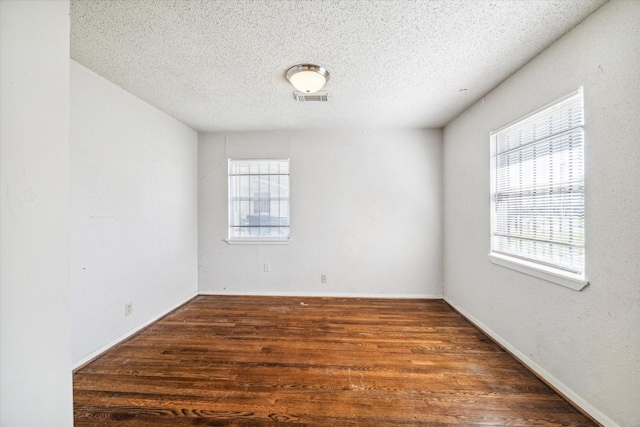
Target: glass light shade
x=307, y=78
x=308, y=81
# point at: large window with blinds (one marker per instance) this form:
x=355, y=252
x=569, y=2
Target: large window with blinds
x=537, y=193
x=259, y=201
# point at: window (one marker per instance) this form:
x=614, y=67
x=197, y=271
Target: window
x=537, y=193
x=258, y=201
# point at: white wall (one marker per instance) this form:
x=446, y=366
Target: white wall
x=366, y=211
x=35, y=344
x=133, y=212
x=588, y=342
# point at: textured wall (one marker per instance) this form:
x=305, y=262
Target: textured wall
x=133, y=212
x=35, y=346
x=366, y=211
x=586, y=342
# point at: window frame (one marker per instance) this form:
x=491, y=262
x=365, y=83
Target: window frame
x=575, y=281
x=255, y=240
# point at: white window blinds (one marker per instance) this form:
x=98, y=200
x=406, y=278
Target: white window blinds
x=259, y=199
x=538, y=188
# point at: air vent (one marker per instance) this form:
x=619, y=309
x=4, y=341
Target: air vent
x=318, y=96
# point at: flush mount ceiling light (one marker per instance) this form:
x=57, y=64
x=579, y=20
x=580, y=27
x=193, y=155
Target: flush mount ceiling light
x=308, y=78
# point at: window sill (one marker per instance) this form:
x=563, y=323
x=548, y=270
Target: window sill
x=257, y=241
x=549, y=274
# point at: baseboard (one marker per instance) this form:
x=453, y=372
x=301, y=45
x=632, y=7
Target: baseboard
x=561, y=388
x=97, y=353
x=324, y=294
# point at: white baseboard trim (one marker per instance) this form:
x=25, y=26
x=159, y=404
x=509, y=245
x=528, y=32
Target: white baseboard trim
x=117, y=341
x=531, y=364
x=323, y=295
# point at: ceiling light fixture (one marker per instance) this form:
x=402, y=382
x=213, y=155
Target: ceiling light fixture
x=307, y=78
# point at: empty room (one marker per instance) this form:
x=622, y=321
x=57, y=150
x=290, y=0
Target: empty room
x=320, y=212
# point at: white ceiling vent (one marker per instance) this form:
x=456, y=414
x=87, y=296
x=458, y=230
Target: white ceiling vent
x=317, y=96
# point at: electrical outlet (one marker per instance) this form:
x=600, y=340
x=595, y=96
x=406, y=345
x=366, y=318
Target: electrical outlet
x=323, y=278
x=128, y=309
x=267, y=268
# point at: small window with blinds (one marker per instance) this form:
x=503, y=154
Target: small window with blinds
x=258, y=201
x=537, y=193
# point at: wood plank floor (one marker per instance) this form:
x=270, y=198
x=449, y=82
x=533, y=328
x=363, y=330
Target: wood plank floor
x=253, y=361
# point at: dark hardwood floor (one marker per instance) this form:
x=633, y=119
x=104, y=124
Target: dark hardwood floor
x=252, y=361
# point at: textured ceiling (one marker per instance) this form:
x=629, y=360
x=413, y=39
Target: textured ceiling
x=220, y=64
